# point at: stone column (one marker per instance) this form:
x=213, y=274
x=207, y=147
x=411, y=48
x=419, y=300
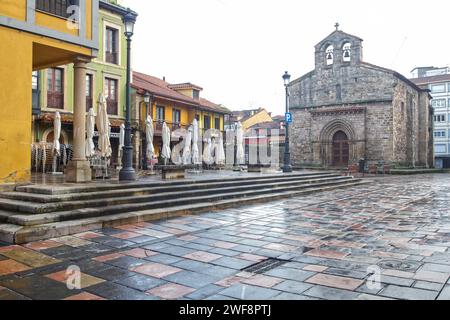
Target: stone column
x=79, y=169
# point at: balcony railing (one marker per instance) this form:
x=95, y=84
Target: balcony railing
x=55, y=100
x=112, y=107
x=157, y=125
x=111, y=57
x=56, y=7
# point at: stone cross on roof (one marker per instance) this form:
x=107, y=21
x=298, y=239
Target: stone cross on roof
x=337, y=26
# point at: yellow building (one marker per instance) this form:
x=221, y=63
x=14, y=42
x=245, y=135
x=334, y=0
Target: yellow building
x=34, y=35
x=176, y=104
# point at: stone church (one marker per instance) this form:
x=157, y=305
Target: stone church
x=347, y=109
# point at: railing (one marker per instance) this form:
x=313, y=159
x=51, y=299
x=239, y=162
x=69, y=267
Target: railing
x=55, y=100
x=157, y=126
x=56, y=7
x=112, y=107
x=111, y=57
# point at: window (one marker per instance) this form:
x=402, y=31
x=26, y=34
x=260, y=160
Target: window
x=440, y=134
x=89, y=100
x=347, y=49
x=176, y=116
x=440, y=148
x=111, y=96
x=59, y=8
x=329, y=52
x=217, y=123
x=111, y=48
x=438, y=88
x=34, y=80
x=438, y=103
x=55, y=88
x=207, y=122
x=160, y=113
x=439, y=118
x=196, y=94
x=35, y=92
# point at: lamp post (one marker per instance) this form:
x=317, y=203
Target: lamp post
x=147, y=103
x=287, y=168
x=127, y=173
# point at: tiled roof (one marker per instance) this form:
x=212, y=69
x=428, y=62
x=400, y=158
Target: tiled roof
x=432, y=79
x=186, y=85
x=162, y=89
x=159, y=88
x=213, y=107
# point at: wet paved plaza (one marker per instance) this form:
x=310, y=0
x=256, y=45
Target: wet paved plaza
x=386, y=240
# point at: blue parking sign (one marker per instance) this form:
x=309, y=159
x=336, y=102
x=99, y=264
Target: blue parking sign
x=289, y=118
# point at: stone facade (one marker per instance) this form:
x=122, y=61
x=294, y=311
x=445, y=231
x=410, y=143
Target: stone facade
x=346, y=110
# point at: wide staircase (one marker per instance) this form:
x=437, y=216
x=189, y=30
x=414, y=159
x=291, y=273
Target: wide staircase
x=39, y=212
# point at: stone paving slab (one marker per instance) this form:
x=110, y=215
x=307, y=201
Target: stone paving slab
x=330, y=245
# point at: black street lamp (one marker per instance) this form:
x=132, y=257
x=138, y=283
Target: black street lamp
x=147, y=104
x=287, y=168
x=127, y=173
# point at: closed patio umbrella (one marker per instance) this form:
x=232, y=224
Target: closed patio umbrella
x=207, y=153
x=104, y=145
x=187, y=147
x=195, y=152
x=166, y=137
x=149, y=132
x=240, y=157
x=90, y=128
x=219, y=152
x=56, y=143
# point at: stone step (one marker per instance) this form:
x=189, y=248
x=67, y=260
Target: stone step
x=37, y=208
x=18, y=234
x=74, y=188
x=167, y=201
x=42, y=198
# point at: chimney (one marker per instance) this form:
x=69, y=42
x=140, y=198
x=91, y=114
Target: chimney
x=164, y=78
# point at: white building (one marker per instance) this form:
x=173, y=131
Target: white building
x=438, y=81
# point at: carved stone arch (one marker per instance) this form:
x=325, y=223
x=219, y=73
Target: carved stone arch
x=344, y=41
x=334, y=126
x=326, y=44
x=326, y=140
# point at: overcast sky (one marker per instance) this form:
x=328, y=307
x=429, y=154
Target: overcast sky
x=237, y=50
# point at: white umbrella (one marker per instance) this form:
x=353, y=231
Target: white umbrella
x=240, y=157
x=90, y=128
x=149, y=131
x=166, y=137
x=57, y=134
x=56, y=137
x=207, y=153
x=219, y=152
x=195, y=151
x=104, y=145
x=187, y=147
x=121, y=140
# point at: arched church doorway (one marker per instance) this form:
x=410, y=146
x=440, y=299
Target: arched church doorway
x=341, y=149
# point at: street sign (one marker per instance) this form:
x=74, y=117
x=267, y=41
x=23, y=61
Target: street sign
x=289, y=118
